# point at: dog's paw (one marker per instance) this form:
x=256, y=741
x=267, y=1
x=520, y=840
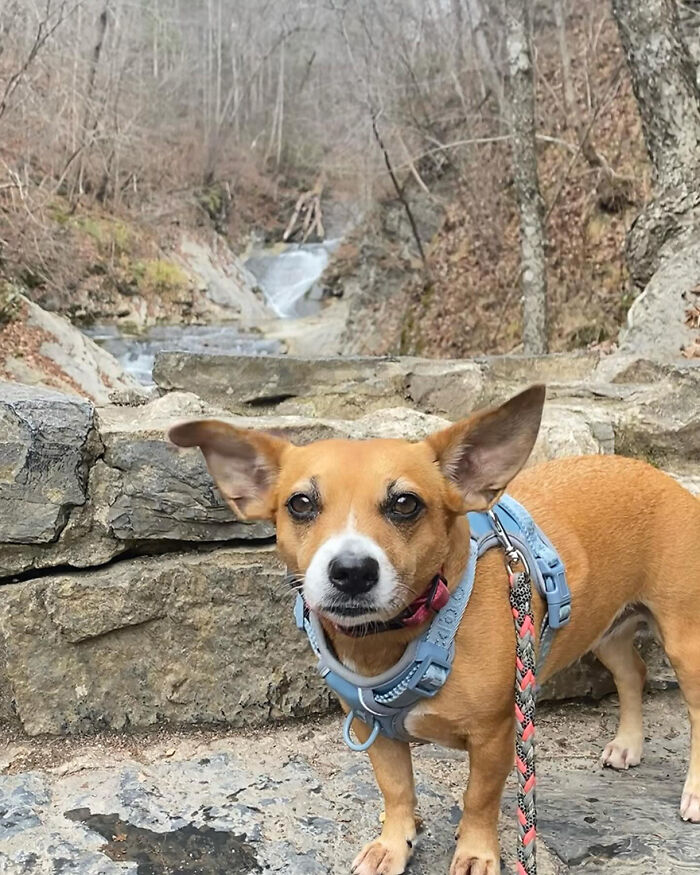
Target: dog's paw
x=466, y=863
x=382, y=858
x=690, y=807
x=622, y=754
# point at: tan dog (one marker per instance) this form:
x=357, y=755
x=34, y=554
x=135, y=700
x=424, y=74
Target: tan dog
x=627, y=533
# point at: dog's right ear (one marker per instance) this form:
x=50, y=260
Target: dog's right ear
x=244, y=464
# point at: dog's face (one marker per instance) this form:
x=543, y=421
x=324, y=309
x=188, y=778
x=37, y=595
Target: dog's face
x=365, y=524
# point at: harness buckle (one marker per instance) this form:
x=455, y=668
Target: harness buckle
x=434, y=666
x=558, y=596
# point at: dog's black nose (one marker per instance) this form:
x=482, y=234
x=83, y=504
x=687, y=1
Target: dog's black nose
x=353, y=574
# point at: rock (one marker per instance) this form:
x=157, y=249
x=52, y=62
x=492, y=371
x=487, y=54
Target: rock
x=143, y=492
x=293, y=799
x=248, y=385
x=156, y=491
x=47, y=445
x=44, y=349
x=310, y=335
x=522, y=370
x=184, y=638
x=347, y=388
x=456, y=393
x=656, y=325
x=662, y=422
x=226, y=282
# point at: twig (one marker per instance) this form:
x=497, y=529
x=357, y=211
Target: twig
x=400, y=193
x=44, y=32
x=586, y=133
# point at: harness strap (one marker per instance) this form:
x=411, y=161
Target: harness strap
x=386, y=699
x=383, y=702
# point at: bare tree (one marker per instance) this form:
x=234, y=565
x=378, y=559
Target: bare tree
x=663, y=78
x=663, y=252
x=49, y=20
x=530, y=205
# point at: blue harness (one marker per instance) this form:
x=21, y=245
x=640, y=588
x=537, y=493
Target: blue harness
x=385, y=700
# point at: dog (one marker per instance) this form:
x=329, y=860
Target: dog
x=366, y=525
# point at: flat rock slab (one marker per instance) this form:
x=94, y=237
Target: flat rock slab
x=296, y=801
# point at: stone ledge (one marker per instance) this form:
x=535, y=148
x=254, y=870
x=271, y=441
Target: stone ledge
x=198, y=638
x=190, y=638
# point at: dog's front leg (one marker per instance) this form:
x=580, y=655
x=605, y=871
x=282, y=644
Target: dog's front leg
x=391, y=761
x=490, y=760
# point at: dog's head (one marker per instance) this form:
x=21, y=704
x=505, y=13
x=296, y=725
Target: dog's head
x=365, y=524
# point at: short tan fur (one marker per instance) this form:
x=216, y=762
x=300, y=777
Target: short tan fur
x=627, y=533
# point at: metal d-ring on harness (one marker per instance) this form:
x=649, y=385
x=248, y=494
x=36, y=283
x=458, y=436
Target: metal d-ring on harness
x=383, y=702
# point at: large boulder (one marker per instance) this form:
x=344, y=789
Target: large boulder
x=40, y=348
x=183, y=638
x=131, y=489
x=191, y=621
x=660, y=324
x=348, y=388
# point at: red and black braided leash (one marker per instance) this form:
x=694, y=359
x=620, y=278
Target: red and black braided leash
x=525, y=698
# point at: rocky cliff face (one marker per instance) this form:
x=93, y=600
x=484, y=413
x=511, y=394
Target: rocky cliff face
x=130, y=594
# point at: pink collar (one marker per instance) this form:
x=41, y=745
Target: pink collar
x=435, y=597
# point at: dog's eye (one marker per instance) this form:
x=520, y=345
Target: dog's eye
x=405, y=506
x=301, y=506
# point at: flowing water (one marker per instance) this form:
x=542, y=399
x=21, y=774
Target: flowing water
x=137, y=353
x=288, y=275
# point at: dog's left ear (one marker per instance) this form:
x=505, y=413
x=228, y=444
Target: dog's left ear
x=482, y=454
x=244, y=463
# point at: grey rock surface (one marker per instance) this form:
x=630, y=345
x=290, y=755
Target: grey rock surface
x=189, y=638
x=65, y=359
x=294, y=800
x=183, y=638
x=144, y=639
x=347, y=388
x=47, y=445
x=656, y=326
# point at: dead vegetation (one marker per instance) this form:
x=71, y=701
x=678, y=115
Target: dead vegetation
x=593, y=177
x=135, y=121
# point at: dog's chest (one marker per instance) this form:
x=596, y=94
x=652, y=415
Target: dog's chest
x=426, y=724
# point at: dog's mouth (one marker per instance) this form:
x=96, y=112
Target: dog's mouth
x=348, y=610
x=352, y=614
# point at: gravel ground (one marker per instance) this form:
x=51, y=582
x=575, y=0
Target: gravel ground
x=294, y=800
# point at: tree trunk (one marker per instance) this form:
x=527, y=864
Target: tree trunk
x=522, y=105
x=663, y=78
x=663, y=244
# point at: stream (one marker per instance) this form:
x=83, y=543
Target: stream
x=288, y=275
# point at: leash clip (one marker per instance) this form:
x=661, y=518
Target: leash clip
x=513, y=556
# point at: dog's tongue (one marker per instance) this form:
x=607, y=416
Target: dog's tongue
x=437, y=596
